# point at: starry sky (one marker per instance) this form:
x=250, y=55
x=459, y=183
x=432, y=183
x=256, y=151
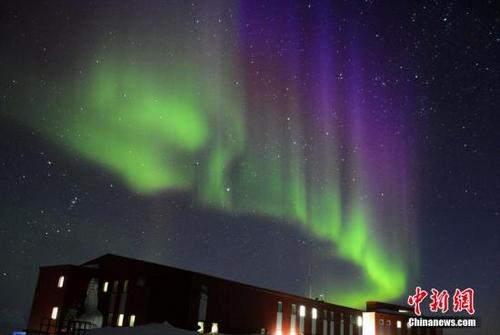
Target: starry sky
x=346, y=149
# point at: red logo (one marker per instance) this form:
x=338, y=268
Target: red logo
x=463, y=300
x=439, y=301
x=416, y=300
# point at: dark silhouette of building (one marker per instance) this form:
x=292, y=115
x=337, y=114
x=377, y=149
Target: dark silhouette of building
x=115, y=291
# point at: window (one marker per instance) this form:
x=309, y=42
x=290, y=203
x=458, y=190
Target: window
x=302, y=310
x=60, y=283
x=125, y=286
x=381, y=322
x=325, y=314
x=215, y=328
x=131, y=321
x=115, y=286
x=55, y=311
x=314, y=313
x=119, y=322
x=201, y=327
x=294, y=309
x=105, y=286
x=388, y=322
x=359, y=320
x=280, y=307
x=398, y=324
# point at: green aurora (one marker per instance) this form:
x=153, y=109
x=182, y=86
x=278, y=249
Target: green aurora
x=190, y=123
x=162, y=131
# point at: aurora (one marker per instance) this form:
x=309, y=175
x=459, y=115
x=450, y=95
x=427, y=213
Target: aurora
x=288, y=128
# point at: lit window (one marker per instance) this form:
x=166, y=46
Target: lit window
x=314, y=313
x=60, y=283
x=302, y=310
x=280, y=307
x=131, y=321
x=201, y=327
x=125, y=286
x=294, y=309
x=215, y=328
x=359, y=320
x=55, y=311
x=398, y=324
x=105, y=286
x=119, y=322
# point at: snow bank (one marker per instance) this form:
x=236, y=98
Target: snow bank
x=150, y=329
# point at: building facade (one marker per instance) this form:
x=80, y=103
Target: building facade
x=115, y=291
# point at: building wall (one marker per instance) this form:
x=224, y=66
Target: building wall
x=147, y=293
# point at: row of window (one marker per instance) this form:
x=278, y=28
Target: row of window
x=105, y=286
x=388, y=323
x=314, y=313
x=121, y=317
x=119, y=322
x=213, y=330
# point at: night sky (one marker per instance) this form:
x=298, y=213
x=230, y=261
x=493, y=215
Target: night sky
x=349, y=147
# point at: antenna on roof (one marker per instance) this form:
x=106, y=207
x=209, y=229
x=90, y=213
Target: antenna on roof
x=309, y=284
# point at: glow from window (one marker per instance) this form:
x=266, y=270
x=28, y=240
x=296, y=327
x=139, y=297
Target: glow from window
x=359, y=321
x=302, y=311
x=201, y=327
x=368, y=323
x=55, y=311
x=119, y=322
x=279, y=332
x=215, y=328
x=105, y=286
x=131, y=321
x=60, y=283
x=398, y=324
x=314, y=313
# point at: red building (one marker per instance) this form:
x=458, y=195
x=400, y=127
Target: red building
x=115, y=291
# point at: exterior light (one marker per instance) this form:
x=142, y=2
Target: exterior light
x=368, y=323
x=402, y=311
x=302, y=310
x=314, y=313
x=359, y=321
x=55, y=311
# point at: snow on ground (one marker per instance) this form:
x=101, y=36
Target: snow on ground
x=150, y=329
